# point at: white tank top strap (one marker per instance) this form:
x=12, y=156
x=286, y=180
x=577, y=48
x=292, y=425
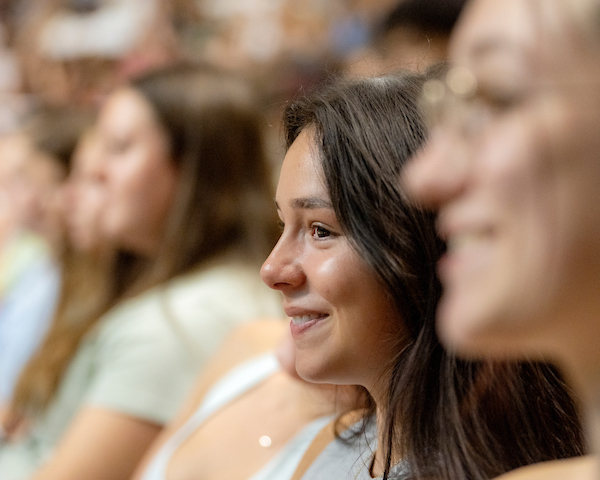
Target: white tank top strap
x=235, y=383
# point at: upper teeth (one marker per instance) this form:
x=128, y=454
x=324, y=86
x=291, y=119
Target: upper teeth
x=304, y=319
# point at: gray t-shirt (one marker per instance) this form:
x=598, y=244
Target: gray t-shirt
x=348, y=458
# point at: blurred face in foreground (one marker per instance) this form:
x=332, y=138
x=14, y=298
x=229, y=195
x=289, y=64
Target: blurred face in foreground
x=513, y=165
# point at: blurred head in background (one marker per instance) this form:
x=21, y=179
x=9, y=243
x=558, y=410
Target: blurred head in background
x=86, y=194
x=35, y=163
x=53, y=133
x=184, y=166
x=413, y=35
x=15, y=152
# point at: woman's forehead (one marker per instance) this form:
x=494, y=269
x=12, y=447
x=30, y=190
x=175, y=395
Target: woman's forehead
x=525, y=26
x=487, y=24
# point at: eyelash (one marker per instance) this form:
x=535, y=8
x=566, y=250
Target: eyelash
x=314, y=231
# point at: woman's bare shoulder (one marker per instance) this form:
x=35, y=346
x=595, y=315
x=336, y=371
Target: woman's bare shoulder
x=244, y=342
x=579, y=468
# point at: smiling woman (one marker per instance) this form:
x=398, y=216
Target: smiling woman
x=509, y=179
x=327, y=319
x=356, y=266
x=513, y=169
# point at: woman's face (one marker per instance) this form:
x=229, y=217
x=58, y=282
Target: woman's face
x=86, y=194
x=141, y=177
x=14, y=152
x=32, y=184
x=514, y=168
x=342, y=322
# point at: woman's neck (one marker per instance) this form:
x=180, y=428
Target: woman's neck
x=378, y=464
x=380, y=396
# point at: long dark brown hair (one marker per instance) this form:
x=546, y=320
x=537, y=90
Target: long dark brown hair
x=446, y=418
x=224, y=203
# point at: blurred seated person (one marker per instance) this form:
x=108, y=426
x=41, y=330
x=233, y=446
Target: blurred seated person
x=188, y=210
x=251, y=405
x=32, y=255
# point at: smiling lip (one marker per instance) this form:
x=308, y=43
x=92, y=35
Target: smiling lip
x=302, y=321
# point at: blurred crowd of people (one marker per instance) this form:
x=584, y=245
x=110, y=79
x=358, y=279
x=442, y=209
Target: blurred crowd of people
x=110, y=110
x=143, y=260
x=74, y=52
x=61, y=59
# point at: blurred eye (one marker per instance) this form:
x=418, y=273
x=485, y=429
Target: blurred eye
x=118, y=146
x=500, y=99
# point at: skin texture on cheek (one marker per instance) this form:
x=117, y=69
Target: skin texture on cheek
x=359, y=337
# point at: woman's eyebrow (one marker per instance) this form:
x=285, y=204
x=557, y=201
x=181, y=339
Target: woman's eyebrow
x=310, y=203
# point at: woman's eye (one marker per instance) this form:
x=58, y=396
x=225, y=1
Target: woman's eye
x=319, y=232
x=501, y=98
x=281, y=225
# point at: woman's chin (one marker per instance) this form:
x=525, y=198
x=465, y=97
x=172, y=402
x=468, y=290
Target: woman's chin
x=312, y=371
x=474, y=332
x=460, y=329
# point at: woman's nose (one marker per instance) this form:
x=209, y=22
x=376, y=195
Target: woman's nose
x=437, y=172
x=282, y=269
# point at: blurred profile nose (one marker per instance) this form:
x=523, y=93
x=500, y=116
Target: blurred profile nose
x=437, y=172
x=282, y=269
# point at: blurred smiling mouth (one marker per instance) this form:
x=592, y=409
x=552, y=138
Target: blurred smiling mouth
x=465, y=240
x=467, y=251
